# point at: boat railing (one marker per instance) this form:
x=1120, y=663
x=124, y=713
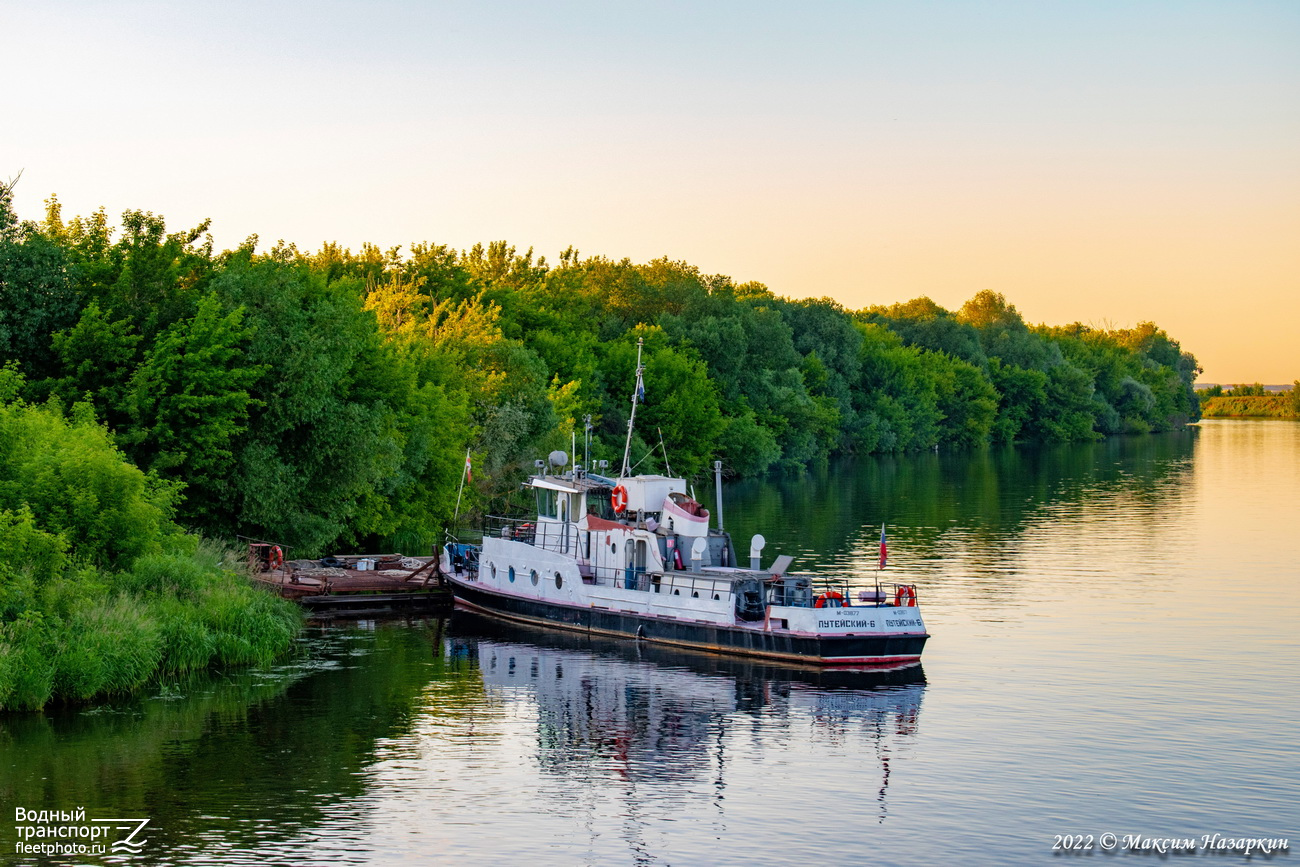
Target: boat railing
x=822, y=591
x=674, y=583
x=560, y=536
x=692, y=584
x=516, y=529
x=467, y=536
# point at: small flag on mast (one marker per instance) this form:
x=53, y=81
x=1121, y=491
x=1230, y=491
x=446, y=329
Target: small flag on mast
x=640, y=388
x=469, y=474
x=882, y=546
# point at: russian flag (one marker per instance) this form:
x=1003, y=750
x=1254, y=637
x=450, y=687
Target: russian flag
x=882, y=546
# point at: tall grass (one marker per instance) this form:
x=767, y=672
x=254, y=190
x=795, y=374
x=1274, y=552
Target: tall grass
x=108, y=647
x=26, y=678
x=93, y=634
x=209, y=610
x=100, y=591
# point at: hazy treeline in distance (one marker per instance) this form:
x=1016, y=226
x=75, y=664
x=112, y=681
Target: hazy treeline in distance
x=1249, y=401
x=326, y=400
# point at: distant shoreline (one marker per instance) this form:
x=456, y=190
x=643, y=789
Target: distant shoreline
x=1272, y=389
x=1279, y=406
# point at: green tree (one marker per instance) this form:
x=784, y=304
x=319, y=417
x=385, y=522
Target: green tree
x=317, y=452
x=37, y=293
x=898, y=394
x=189, y=403
x=77, y=485
x=97, y=358
x=1003, y=333
x=681, y=402
x=1022, y=396
x=966, y=400
x=1067, y=415
x=746, y=447
x=921, y=322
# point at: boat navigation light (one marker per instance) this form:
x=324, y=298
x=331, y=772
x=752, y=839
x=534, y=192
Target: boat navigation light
x=756, y=546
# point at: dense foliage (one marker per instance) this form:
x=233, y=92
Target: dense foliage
x=328, y=399
x=100, y=591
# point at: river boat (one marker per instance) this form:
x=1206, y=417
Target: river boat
x=637, y=556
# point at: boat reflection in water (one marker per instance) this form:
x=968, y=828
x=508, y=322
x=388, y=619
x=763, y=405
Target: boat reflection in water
x=645, y=713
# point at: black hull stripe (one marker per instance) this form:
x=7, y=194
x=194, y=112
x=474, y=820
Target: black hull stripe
x=788, y=647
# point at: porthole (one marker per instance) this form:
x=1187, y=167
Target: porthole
x=695, y=594
x=533, y=576
x=512, y=574
x=559, y=581
x=493, y=568
x=613, y=547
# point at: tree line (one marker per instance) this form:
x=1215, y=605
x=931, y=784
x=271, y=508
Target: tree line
x=327, y=399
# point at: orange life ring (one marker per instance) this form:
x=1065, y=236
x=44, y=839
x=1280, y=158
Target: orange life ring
x=274, y=558
x=618, y=499
x=905, y=597
x=824, y=599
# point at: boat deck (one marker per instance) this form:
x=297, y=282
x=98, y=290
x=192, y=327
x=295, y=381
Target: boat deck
x=346, y=588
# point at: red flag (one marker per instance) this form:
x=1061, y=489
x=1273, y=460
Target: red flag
x=882, y=546
x=469, y=475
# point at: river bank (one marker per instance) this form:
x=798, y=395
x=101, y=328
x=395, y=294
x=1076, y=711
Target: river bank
x=1285, y=405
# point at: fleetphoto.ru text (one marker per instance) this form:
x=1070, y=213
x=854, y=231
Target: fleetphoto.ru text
x=61, y=833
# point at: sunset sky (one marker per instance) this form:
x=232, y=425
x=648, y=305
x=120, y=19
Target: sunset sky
x=1101, y=162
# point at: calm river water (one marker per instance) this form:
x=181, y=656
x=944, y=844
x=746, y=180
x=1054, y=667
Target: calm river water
x=1114, y=651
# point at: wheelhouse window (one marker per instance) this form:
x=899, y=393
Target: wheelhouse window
x=546, y=502
x=598, y=503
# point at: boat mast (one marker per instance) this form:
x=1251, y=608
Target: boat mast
x=464, y=471
x=717, y=481
x=586, y=433
x=638, y=392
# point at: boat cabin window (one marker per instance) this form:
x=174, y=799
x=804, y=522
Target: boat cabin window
x=546, y=502
x=598, y=503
